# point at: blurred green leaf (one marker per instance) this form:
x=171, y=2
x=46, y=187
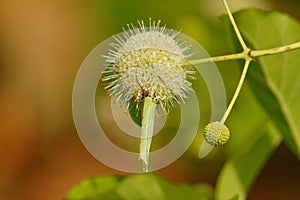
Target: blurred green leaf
x=94, y=189
x=141, y=186
x=235, y=198
x=149, y=186
x=275, y=79
x=205, y=191
x=239, y=173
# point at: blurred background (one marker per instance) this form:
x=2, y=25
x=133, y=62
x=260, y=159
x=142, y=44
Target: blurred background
x=42, y=44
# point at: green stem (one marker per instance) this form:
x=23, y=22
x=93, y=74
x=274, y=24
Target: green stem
x=265, y=52
x=147, y=131
x=237, y=91
x=235, y=27
x=215, y=59
x=245, y=55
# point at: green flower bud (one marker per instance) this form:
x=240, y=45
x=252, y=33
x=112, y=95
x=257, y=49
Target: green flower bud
x=216, y=133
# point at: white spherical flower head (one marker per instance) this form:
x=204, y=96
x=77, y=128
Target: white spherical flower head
x=148, y=62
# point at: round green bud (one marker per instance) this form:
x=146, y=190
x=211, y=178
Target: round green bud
x=216, y=133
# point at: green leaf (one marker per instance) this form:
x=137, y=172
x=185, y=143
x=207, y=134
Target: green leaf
x=95, y=188
x=149, y=187
x=205, y=191
x=275, y=79
x=239, y=173
x=136, y=187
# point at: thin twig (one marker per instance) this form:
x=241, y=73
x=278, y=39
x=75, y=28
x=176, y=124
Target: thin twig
x=236, y=30
x=243, y=55
x=237, y=91
x=215, y=59
x=265, y=52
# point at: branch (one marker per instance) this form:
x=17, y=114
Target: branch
x=244, y=55
x=289, y=47
x=236, y=30
x=237, y=91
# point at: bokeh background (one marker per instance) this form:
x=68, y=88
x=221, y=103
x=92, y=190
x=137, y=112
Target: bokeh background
x=42, y=44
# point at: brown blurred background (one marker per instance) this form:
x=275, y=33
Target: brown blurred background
x=42, y=44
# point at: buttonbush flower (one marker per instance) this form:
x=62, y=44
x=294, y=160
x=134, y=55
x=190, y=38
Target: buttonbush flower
x=147, y=62
x=216, y=133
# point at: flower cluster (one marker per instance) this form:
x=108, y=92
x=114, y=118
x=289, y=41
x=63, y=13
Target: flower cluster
x=148, y=62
